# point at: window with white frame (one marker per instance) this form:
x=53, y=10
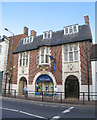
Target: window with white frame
x=0, y=48
x=71, y=52
x=23, y=59
x=20, y=59
x=71, y=29
x=44, y=55
x=28, y=39
x=47, y=35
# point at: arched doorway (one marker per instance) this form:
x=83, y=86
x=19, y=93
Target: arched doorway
x=44, y=83
x=22, y=84
x=72, y=87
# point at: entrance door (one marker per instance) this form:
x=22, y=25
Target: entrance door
x=72, y=87
x=22, y=84
x=44, y=83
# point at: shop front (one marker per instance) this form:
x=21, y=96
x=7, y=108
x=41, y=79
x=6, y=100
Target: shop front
x=44, y=83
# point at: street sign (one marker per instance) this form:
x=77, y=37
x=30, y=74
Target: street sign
x=54, y=66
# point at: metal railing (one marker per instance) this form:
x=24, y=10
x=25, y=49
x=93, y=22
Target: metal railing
x=60, y=97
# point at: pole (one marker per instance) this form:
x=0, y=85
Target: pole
x=88, y=78
x=10, y=58
x=11, y=62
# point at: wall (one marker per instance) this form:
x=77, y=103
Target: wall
x=83, y=64
x=94, y=77
x=4, y=59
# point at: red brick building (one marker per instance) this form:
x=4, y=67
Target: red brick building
x=60, y=58
x=16, y=40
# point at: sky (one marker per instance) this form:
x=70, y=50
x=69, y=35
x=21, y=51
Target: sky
x=44, y=16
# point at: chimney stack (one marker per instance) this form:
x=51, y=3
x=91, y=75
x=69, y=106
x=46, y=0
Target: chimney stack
x=33, y=33
x=86, y=17
x=25, y=30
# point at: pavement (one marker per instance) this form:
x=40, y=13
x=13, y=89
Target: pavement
x=67, y=102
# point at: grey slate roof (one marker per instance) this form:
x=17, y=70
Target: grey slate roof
x=58, y=38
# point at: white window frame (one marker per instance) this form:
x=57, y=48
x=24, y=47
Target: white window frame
x=23, y=59
x=27, y=40
x=69, y=51
x=40, y=54
x=47, y=33
x=72, y=29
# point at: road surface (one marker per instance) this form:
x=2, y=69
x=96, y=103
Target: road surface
x=25, y=109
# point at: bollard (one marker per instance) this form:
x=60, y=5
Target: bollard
x=61, y=97
x=4, y=92
x=42, y=96
x=14, y=93
x=83, y=98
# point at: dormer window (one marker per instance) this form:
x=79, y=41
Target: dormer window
x=28, y=39
x=71, y=29
x=47, y=34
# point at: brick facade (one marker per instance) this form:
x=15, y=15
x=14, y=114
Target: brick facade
x=34, y=69
x=83, y=60
x=15, y=69
x=16, y=41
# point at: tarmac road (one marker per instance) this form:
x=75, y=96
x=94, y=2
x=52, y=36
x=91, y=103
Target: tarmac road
x=25, y=109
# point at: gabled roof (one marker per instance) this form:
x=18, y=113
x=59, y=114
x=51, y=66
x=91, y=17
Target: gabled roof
x=58, y=38
x=94, y=52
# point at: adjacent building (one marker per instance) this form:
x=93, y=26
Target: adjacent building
x=94, y=68
x=13, y=42
x=4, y=46
x=60, y=58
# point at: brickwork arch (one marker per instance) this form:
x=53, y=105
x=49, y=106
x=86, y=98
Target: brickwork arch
x=42, y=73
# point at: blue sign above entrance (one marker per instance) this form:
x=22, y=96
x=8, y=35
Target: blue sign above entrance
x=44, y=78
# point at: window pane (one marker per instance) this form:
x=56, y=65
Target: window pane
x=42, y=50
x=26, y=54
x=49, y=35
x=71, y=56
x=42, y=58
x=47, y=59
x=76, y=55
x=23, y=62
x=70, y=29
x=70, y=47
x=26, y=62
x=20, y=62
x=66, y=30
x=76, y=47
x=23, y=59
x=65, y=49
x=75, y=29
x=47, y=50
x=27, y=40
x=66, y=57
x=45, y=35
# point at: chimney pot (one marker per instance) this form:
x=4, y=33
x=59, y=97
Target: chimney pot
x=33, y=33
x=25, y=30
x=86, y=17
